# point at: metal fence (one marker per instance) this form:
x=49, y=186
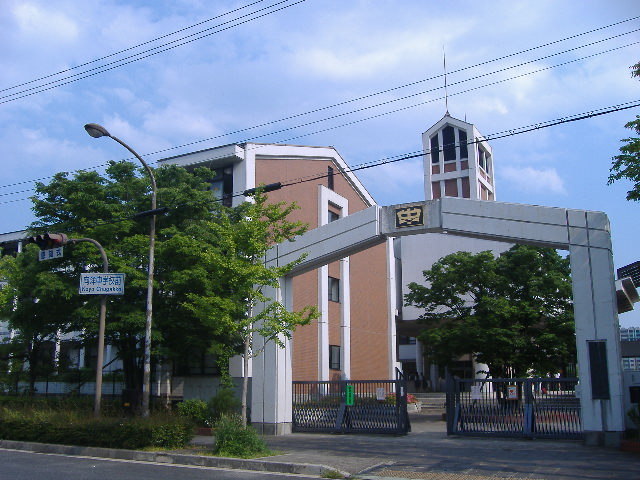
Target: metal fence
x=523, y=407
x=351, y=406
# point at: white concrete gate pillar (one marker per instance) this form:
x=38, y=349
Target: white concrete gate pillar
x=271, y=387
x=597, y=330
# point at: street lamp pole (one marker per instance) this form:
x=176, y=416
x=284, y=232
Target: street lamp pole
x=97, y=131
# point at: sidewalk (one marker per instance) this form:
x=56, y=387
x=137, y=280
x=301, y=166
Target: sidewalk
x=428, y=453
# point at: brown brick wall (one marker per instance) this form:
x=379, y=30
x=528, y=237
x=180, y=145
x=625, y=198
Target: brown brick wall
x=369, y=332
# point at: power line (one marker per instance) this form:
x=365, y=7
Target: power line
x=131, y=48
x=388, y=101
x=139, y=56
x=402, y=157
x=362, y=109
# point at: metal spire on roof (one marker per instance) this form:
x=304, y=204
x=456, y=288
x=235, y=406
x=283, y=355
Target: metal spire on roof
x=446, y=95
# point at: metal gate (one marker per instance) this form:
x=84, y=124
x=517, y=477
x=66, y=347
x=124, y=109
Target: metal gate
x=351, y=406
x=523, y=407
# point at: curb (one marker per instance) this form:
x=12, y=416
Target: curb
x=174, y=458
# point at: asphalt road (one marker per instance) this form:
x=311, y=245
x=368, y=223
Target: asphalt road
x=19, y=465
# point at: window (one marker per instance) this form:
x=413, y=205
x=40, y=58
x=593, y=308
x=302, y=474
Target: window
x=330, y=178
x=334, y=289
x=221, y=185
x=404, y=340
x=334, y=357
x=449, y=143
x=482, y=158
x=435, y=149
x=333, y=216
x=464, y=152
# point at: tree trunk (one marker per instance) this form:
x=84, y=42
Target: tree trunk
x=245, y=376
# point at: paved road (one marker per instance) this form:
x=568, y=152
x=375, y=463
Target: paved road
x=19, y=465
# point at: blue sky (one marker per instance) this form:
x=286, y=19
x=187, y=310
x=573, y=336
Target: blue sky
x=319, y=53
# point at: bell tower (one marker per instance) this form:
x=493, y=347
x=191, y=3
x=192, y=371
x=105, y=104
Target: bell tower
x=458, y=161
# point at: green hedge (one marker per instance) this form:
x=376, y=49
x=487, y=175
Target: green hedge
x=44, y=427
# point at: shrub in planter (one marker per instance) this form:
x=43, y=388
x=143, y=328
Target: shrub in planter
x=73, y=429
x=235, y=440
x=225, y=402
x=195, y=410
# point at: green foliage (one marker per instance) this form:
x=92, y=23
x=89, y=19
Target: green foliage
x=76, y=428
x=195, y=410
x=514, y=313
x=86, y=205
x=206, y=414
x=223, y=403
x=332, y=474
x=35, y=303
x=627, y=164
x=234, y=439
x=209, y=269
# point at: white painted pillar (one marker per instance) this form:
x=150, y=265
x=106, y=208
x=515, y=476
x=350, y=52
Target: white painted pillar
x=81, y=355
x=345, y=318
x=596, y=318
x=271, y=407
x=392, y=308
x=323, y=324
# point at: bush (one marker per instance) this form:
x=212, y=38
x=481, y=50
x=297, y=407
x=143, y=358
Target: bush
x=195, y=410
x=224, y=403
x=235, y=440
x=73, y=428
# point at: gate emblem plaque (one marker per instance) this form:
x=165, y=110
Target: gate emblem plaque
x=409, y=216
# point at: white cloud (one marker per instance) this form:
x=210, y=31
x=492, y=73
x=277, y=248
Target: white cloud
x=531, y=180
x=50, y=24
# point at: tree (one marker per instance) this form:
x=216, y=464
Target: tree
x=35, y=304
x=209, y=263
x=102, y=207
x=627, y=164
x=513, y=313
x=234, y=256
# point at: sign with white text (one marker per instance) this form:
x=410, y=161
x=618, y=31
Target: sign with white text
x=50, y=253
x=101, y=284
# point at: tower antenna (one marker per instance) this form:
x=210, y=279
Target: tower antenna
x=446, y=94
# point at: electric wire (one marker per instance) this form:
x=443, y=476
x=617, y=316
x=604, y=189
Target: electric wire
x=398, y=158
x=130, y=48
x=379, y=104
x=137, y=57
x=377, y=93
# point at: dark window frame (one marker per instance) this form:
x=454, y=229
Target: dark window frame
x=449, y=144
x=334, y=289
x=464, y=151
x=435, y=149
x=335, y=357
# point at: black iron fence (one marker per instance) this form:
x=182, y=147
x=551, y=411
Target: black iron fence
x=523, y=407
x=351, y=406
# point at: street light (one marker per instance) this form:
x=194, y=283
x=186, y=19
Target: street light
x=97, y=131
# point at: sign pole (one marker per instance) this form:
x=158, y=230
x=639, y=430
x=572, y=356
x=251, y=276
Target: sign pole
x=101, y=327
